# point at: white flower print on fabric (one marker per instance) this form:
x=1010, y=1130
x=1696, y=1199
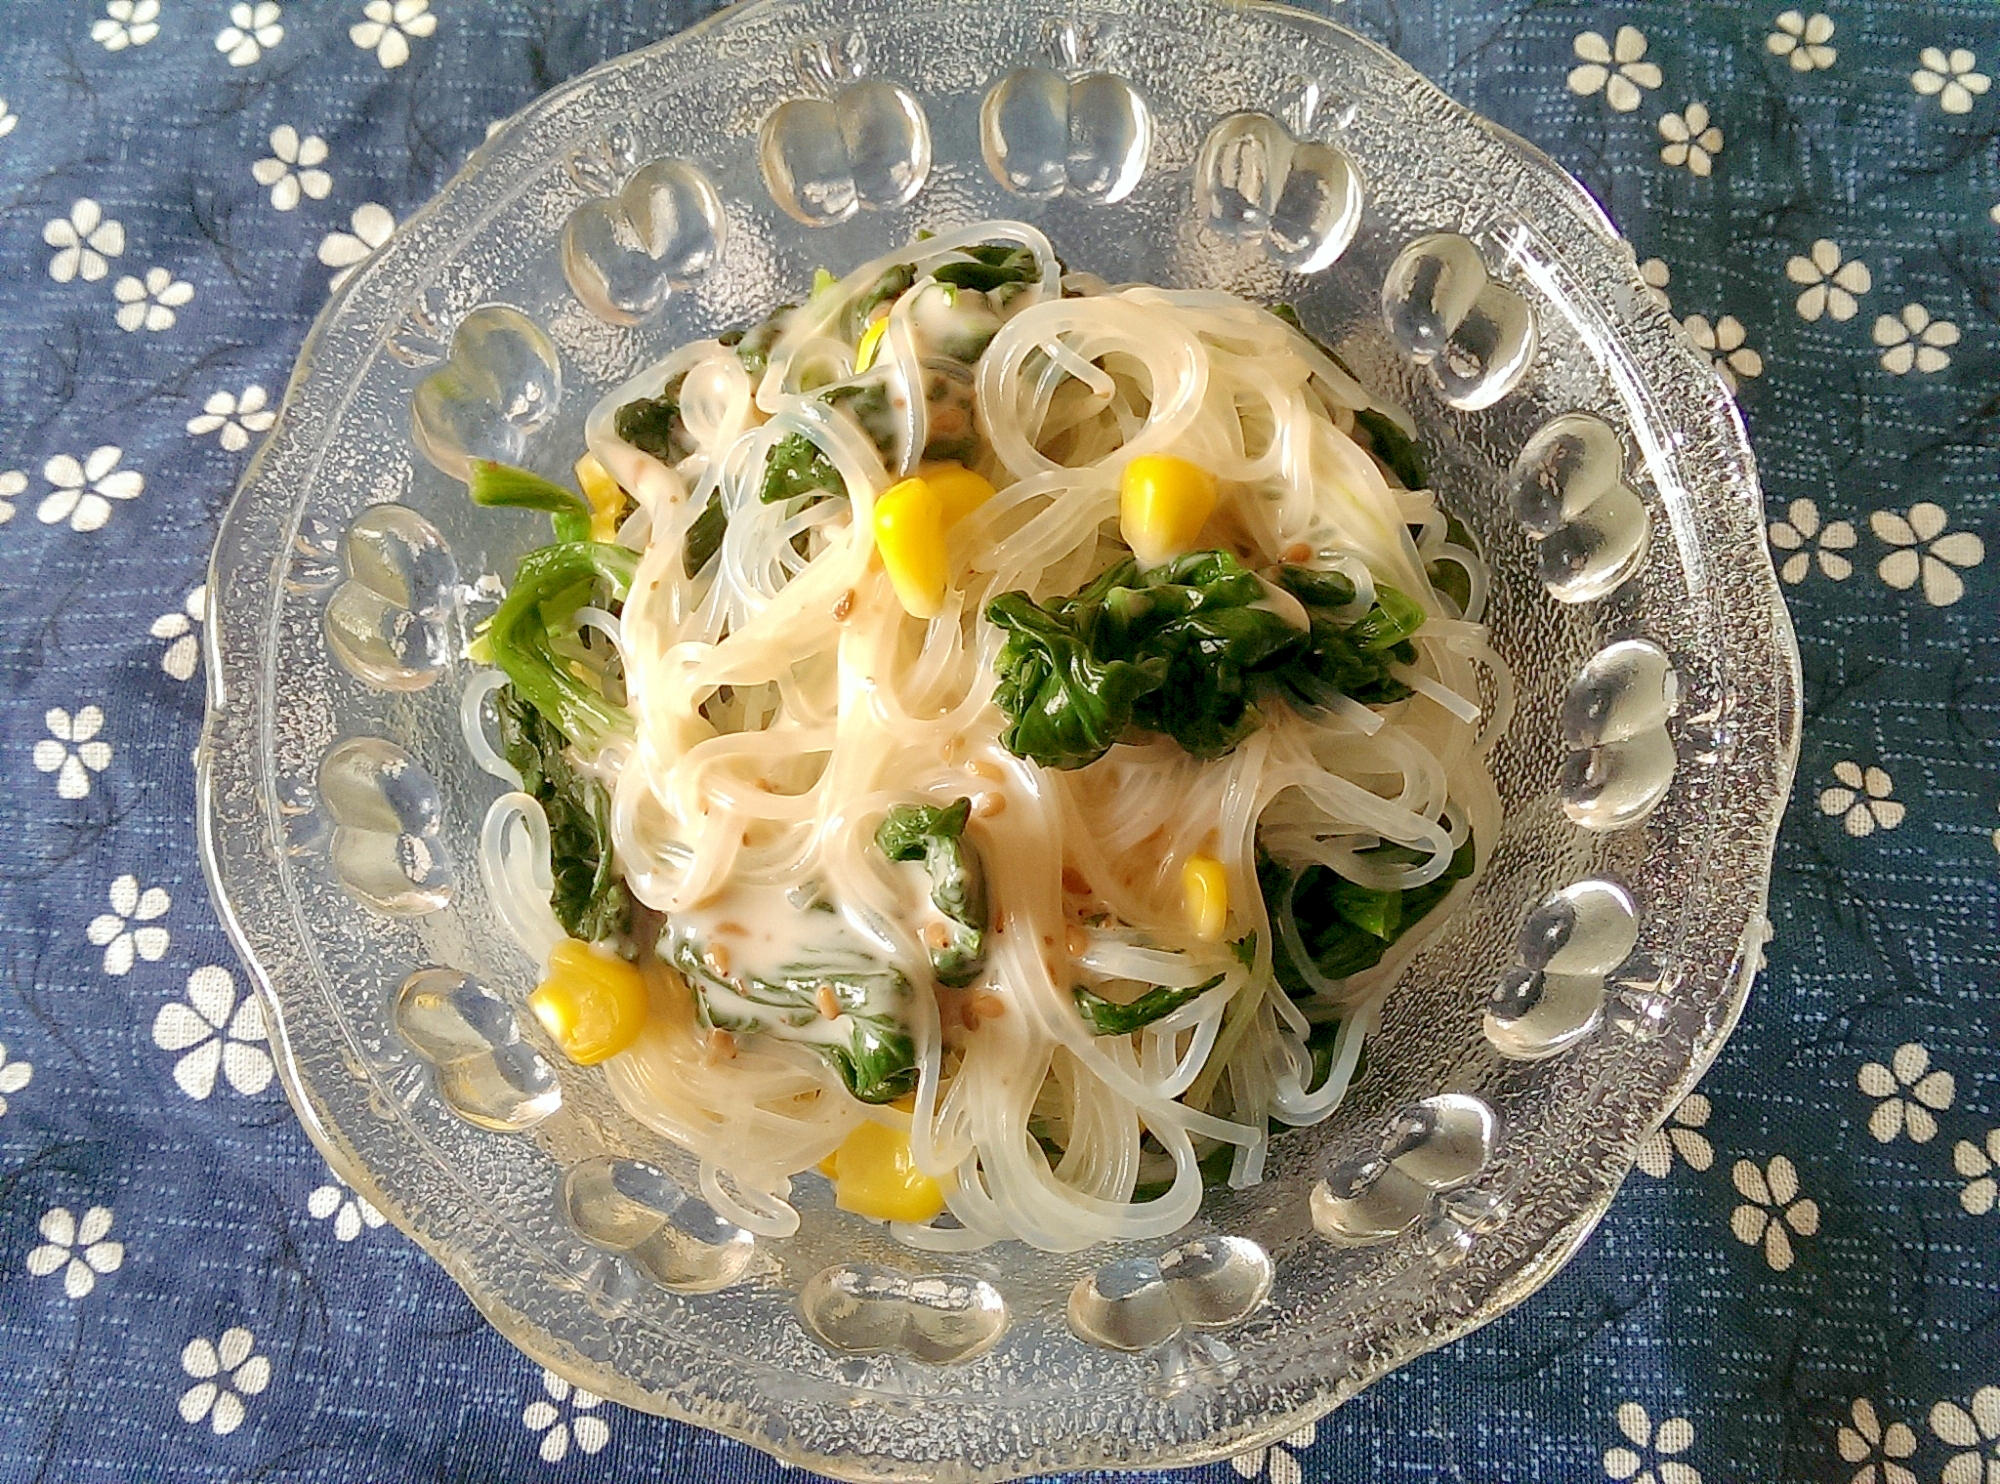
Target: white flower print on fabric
x=1949, y=77
x=233, y=418
x=347, y=251
x=1860, y=799
x=1976, y=1430
x=1656, y=275
x=84, y=491
x=1926, y=552
x=1692, y=139
x=213, y=1030
x=1875, y=1447
x=79, y=1250
x=1830, y=283
x=149, y=303
x=14, y=1075
x=72, y=750
x=292, y=170
x=1978, y=1166
x=1679, y=1135
x=350, y=1212
x=1653, y=1457
x=1723, y=344
x=224, y=1373
x=545, y=1416
x=1773, y=1203
x=1276, y=1462
x=389, y=27
x=12, y=483
x=1802, y=40
x=8, y=119
x=83, y=241
x=115, y=931
x=1908, y=1092
x=1808, y=541
x=127, y=23
x=1616, y=68
x=253, y=29
x=1912, y=340
x=177, y=628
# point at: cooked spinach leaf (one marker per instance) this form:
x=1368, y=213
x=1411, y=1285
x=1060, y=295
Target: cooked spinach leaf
x=549, y=586
x=1109, y=1018
x=1189, y=649
x=991, y=265
x=1065, y=707
x=893, y=283
x=1353, y=659
x=867, y=402
x=935, y=835
x=1344, y=927
x=506, y=486
x=752, y=343
x=798, y=466
x=704, y=537
x=1394, y=447
x=867, y=1039
x=653, y=425
x=590, y=899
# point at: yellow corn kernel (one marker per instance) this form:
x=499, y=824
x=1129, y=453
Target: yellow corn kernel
x=604, y=494
x=830, y=1166
x=1205, y=891
x=593, y=1004
x=959, y=490
x=1163, y=502
x=870, y=344
x=874, y=1175
x=909, y=532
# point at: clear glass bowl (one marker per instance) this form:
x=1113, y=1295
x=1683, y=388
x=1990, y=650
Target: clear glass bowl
x=670, y=193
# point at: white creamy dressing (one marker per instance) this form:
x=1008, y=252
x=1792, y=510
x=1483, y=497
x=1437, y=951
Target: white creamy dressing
x=750, y=931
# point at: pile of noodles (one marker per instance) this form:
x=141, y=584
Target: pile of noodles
x=783, y=701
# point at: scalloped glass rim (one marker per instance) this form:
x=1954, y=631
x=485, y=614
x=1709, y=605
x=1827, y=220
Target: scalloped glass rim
x=887, y=1418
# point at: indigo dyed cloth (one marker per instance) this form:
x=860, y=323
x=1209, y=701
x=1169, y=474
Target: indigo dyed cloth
x=1801, y=1282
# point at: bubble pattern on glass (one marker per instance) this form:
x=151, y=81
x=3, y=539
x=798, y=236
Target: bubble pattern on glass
x=1621, y=759
x=389, y=623
x=867, y=1308
x=386, y=810
x=1475, y=336
x=484, y=1071
x=640, y=1213
x=1428, y=1147
x=1302, y=198
x=1042, y=134
x=1570, y=496
x=623, y=254
x=1554, y=995
x=500, y=383
x=868, y=147
x=1042, y=1400
x=1135, y=1303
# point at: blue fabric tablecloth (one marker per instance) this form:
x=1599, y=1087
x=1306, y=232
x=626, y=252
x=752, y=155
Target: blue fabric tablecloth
x=1803, y=1283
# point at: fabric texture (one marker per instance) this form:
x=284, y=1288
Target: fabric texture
x=1801, y=1282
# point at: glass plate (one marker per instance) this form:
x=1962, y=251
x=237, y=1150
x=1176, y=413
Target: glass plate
x=685, y=188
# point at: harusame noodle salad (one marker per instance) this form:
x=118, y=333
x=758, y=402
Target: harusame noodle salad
x=987, y=738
